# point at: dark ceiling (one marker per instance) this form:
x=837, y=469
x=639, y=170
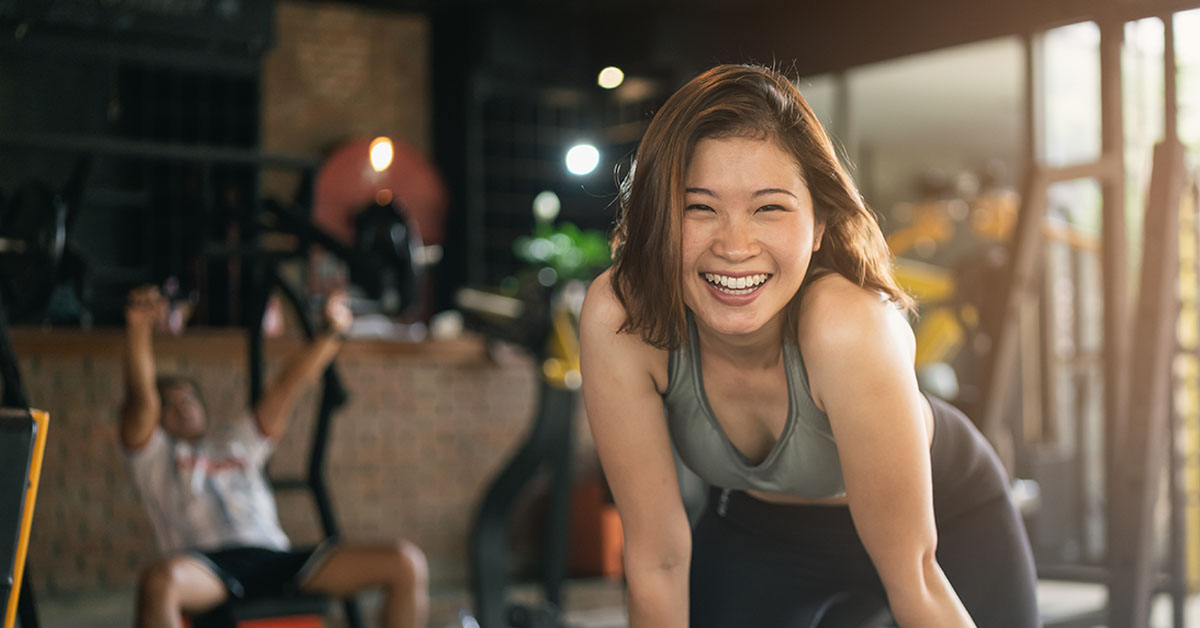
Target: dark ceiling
x=539, y=39
x=819, y=36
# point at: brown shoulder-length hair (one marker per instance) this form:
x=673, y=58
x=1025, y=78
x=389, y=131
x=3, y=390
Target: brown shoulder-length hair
x=732, y=101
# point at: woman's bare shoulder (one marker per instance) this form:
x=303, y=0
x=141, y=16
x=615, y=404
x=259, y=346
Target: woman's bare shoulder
x=602, y=309
x=601, y=334
x=837, y=312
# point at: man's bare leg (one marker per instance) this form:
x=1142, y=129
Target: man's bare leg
x=175, y=584
x=398, y=568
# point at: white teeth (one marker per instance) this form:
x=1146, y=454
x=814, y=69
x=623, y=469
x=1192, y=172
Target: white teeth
x=736, y=285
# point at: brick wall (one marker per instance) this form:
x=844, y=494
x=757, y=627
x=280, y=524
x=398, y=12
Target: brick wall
x=425, y=429
x=338, y=71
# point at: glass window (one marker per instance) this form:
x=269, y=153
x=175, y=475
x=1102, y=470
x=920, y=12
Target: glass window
x=944, y=115
x=821, y=92
x=1070, y=95
x=1142, y=73
x=1187, y=61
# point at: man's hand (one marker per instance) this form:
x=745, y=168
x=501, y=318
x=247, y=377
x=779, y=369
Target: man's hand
x=338, y=316
x=145, y=308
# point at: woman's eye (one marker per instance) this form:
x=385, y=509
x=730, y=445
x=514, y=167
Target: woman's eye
x=703, y=208
x=771, y=208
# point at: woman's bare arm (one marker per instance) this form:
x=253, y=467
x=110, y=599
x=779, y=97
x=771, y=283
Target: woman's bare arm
x=859, y=352
x=626, y=416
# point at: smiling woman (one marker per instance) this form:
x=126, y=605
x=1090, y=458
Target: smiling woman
x=746, y=248
x=718, y=106
x=750, y=320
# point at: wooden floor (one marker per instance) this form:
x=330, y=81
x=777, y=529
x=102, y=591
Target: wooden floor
x=590, y=604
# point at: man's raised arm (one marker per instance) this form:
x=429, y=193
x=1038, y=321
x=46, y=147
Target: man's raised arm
x=142, y=407
x=275, y=407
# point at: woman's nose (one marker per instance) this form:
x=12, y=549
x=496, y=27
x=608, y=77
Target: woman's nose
x=737, y=241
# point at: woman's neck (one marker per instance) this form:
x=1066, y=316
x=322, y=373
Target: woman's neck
x=757, y=350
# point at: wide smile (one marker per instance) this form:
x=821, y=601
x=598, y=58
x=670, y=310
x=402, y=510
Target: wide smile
x=740, y=285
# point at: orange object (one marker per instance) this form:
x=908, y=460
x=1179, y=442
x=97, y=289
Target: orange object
x=298, y=621
x=347, y=182
x=597, y=540
x=42, y=420
x=612, y=542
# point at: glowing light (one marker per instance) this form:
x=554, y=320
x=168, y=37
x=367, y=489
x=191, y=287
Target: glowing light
x=582, y=159
x=546, y=206
x=381, y=153
x=610, y=77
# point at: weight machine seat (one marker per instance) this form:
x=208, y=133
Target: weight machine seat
x=296, y=610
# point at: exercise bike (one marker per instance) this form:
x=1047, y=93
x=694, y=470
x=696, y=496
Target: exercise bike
x=544, y=323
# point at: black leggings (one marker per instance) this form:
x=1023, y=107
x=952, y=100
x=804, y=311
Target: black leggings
x=756, y=563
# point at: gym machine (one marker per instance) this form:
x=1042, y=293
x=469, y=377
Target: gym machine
x=544, y=323
x=33, y=236
x=384, y=259
x=22, y=444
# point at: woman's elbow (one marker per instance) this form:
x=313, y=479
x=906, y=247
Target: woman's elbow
x=909, y=576
x=664, y=555
x=919, y=588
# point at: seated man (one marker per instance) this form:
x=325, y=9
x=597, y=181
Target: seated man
x=209, y=502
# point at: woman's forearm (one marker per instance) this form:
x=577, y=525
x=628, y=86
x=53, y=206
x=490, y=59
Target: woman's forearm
x=929, y=603
x=658, y=598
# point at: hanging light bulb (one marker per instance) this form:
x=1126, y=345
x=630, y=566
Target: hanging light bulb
x=582, y=159
x=610, y=77
x=381, y=153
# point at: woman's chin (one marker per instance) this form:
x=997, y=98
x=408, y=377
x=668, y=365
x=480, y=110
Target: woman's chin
x=732, y=324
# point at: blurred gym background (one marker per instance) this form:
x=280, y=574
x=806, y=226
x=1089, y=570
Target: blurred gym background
x=1024, y=157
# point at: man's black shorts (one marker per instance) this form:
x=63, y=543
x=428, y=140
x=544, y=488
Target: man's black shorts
x=253, y=572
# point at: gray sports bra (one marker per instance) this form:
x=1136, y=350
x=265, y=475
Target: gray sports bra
x=804, y=461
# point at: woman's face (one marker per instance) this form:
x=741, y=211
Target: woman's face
x=748, y=234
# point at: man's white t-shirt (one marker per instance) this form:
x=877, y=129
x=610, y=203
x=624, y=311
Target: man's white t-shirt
x=209, y=494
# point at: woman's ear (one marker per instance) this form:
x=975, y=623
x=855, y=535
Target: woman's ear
x=818, y=235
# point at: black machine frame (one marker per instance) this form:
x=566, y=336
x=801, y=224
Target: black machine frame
x=15, y=397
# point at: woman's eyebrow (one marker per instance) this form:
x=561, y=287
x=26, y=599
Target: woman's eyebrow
x=762, y=192
x=765, y=191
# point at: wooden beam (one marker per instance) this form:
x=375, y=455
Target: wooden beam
x=1000, y=369
x=1144, y=435
x=1113, y=270
x=1107, y=167
x=1177, y=533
